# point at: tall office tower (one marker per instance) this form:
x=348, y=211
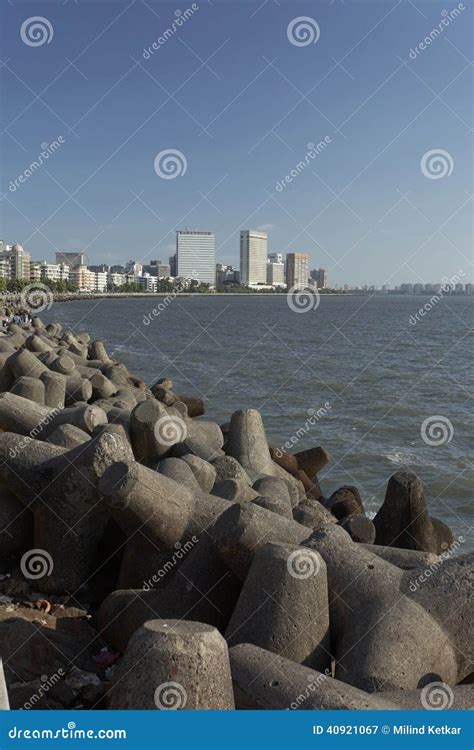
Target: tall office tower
x=297, y=270
x=253, y=257
x=275, y=257
x=172, y=262
x=72, y=259
x=195, y=255
x=322, y=279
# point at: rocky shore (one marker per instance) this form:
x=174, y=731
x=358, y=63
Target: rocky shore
x=151, y=558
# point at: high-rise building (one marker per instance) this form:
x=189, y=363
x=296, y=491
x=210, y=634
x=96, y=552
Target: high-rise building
x=172, y=262
x=195, y=255
x=253, y=257
x=297, y=270
x=275, y=272
x=320, y=276
x=14, y=262
x=226, y=275
x=275, y=257
x=134, y=268
x=72, y=259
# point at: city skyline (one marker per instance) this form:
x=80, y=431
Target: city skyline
x=285, y=141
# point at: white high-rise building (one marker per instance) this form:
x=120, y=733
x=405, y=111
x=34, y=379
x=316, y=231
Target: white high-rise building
x=253, y=257
x=195, y=255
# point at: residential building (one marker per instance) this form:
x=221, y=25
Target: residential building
x=15, y=262
x=195, y=255
x=320, y=276
x=72, y=259
x=134, y=267
x=297, y=270
x=101, y=281
x=226, y=275
x=253, y=257
x=148, y=282
x=83, y=278
x=115, y=279
x=275, y=272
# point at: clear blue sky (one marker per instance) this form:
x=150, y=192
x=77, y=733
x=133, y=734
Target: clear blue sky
x=241, y=102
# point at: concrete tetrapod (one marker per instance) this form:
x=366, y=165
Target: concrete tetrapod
x=69, y=519
x=263, y=680
x=382, y=639
x=283, y=606
x=173, y=665
x=446, y=593
x=244, y=527
x=403, y=519
x=139, y=497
